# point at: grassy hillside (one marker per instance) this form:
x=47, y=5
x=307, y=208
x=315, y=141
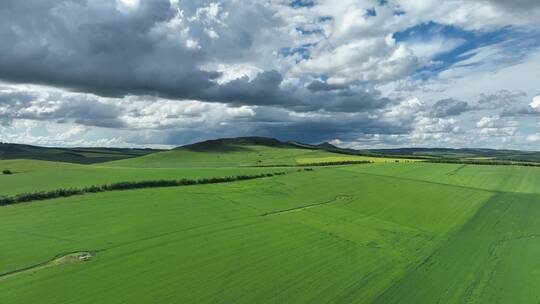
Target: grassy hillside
x=240, y=152
x=69, y=155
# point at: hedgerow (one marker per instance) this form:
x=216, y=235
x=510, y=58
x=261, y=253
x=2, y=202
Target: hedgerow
x=44, y=195
x=483, y=162
x=320, y=164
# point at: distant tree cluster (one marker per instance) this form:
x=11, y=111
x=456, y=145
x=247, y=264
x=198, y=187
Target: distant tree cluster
x=337, y=163
x=7, y=172
x=484, y=162
x=44, y=195
x=322, y=164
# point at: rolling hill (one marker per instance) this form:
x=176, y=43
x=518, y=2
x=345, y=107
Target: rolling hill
x=242, y=151
x=252, y=151
x=69, y=155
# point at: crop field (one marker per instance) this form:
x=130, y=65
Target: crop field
x=33, y=175
x=385, y=232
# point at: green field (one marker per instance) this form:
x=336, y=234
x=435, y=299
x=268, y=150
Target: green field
x=32, y=175
x=386, y=232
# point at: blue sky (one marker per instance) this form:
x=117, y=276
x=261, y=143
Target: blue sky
x=362, y=74
x=522, y=43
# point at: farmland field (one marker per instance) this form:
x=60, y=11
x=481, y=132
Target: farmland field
x=385, y=232
x=31, y=175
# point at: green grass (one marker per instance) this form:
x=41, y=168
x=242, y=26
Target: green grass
x=492, y=259
x=495, y=178
x=378, y=233
x=330, y=236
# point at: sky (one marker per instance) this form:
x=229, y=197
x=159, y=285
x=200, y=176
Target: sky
x=356, y=73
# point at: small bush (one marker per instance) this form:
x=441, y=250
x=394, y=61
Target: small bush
x=7, y=172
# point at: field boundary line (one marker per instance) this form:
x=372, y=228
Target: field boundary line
x=450, y=236
x=334, y=200
x=321, y=164
x=433, y=183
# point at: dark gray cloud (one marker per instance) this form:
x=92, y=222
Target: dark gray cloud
x=263, y=90
x=89, y=112
x=15, y=97
x=449, y=107
x=517, y=5
x=502, y=98
x=508, y=103
x=285, y=125
x=267, y=90
x=58, y=107
x=318, y=85
x=91, y=46
x=520, y=110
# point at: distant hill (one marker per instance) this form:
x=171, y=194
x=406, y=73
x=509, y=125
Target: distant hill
x=237, y=143
x=69, y=155
x=241, y=151
x=249, y=151
x=465, y=153
x=234, y=144
x=415, y=153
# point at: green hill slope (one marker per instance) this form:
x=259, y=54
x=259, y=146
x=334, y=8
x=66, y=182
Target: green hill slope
x=246, y=151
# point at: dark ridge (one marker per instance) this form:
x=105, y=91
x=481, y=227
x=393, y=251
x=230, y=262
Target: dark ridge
x=235, y=144
x=69, y=155
x=327, y=145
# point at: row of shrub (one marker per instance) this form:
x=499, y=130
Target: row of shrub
x=321, y=164
x=44, y=195
x=337, y=163
x=483, y=162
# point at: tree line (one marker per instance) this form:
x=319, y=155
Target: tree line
x=58, y=193
x=483, y=162
x=321, y=164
